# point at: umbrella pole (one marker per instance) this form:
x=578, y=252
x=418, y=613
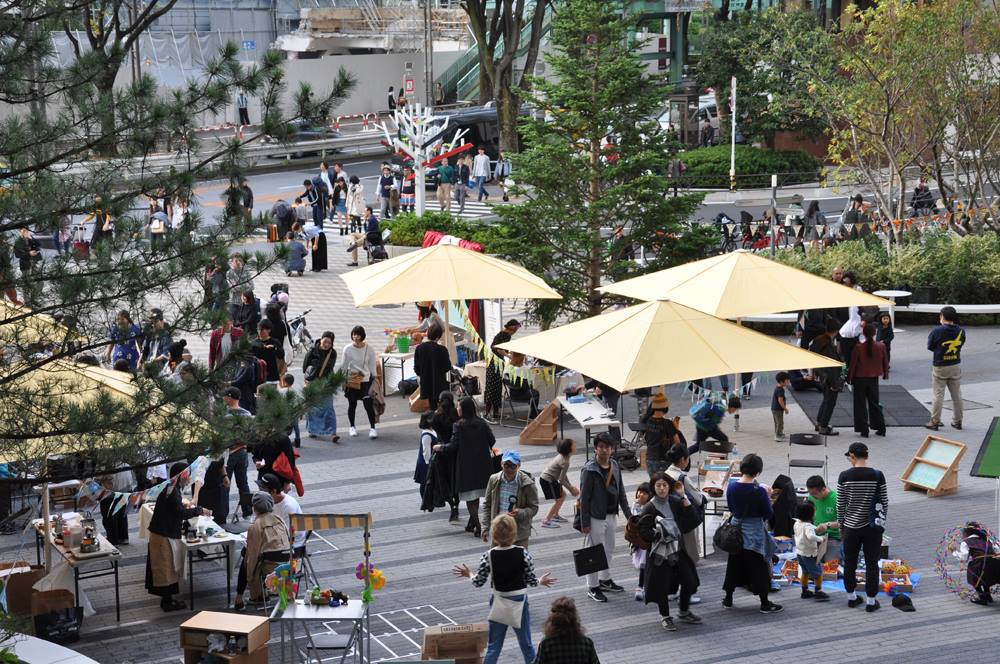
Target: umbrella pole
x=46, y=527
x=449, y=338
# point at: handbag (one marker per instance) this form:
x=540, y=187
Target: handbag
x=728, y=537
x=507, y=611
x=590, y=560
x=355, y=378
x=577, y=519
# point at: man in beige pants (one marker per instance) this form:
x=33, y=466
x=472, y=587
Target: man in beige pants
x=446, y=176
x=946, y=341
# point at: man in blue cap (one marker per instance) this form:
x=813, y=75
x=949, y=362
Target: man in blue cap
x=511, y=491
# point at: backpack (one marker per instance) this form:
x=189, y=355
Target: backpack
x=701, y=411
x=634, y=529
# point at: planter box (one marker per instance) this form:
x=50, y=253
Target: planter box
x=398, y=250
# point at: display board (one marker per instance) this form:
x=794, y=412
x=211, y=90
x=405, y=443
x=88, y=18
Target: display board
x=987, y=463
x=934, y=468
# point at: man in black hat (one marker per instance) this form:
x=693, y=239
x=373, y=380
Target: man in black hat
x=862, y=506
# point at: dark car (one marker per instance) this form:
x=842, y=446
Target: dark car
x=304, y=130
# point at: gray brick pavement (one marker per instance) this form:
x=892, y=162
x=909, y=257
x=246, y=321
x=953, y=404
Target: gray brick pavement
x=417, y=550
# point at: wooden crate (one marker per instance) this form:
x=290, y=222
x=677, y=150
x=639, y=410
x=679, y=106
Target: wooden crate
x=463, y=643
x=903, y=581
x=542, y=429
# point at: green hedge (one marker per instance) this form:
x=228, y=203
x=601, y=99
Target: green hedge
x=709, y=167
x=408, y=229
x=944, y=268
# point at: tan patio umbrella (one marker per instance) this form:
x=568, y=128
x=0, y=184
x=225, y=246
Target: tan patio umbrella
x=30, y=328
x=742, y=283
x=73, y=385
x=443, y=272
x=662, y=342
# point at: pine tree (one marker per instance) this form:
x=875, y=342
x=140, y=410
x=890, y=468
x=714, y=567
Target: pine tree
x=597, y=160
x=61, y=116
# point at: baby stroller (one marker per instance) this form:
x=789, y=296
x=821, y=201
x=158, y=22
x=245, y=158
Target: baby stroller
x=462, y=386
x=375, y=247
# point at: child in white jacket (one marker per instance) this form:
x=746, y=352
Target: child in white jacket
x=807, y=540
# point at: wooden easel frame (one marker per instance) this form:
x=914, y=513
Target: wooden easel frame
x=949, y=480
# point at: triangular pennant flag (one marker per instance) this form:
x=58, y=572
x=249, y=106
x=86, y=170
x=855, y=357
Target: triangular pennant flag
x=857, y=228
x=909, y=223
x=820, y=228
x=896, y=223
x=872, y=226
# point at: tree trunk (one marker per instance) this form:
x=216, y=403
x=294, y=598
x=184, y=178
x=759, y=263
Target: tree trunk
x=594, y=271
x=107, y=146
x=508, y=110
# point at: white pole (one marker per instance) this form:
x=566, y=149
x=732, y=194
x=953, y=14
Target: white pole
x=732, y=136
x=419, y=181
x=46, y=527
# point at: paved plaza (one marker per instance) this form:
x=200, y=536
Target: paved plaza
x=416, y=550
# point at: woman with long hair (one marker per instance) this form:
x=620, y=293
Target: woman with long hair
x=443, y=422
x=869, y=362
x=565, y=642
x=471, y=446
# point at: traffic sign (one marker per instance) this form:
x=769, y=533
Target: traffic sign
x=249, y=45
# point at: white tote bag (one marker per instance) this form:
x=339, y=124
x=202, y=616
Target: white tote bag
x=507, y=611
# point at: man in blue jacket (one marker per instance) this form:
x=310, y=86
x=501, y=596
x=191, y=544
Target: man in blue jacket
x=946, y=341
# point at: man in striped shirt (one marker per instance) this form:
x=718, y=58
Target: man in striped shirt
x=862, y=505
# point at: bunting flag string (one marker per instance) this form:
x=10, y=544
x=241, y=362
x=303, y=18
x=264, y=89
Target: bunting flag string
x=516, y=374
x=96, y=492
x=721, y=395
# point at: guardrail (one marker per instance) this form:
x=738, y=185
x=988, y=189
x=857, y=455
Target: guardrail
x=145, y=166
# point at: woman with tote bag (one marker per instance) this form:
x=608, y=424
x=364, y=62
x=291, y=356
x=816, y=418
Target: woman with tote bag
x=510, y=570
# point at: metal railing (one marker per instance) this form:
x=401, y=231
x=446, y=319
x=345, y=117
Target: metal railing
x=139, y=167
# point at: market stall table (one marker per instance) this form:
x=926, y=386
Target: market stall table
x=589, y=414
x=106, y=554
x=891, y=295
x=195, y=552
x=300, y=611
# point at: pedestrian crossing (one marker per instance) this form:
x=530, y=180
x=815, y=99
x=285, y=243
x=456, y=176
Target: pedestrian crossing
x=473, y=208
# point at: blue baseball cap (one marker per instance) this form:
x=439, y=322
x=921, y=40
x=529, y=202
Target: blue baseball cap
x=513, y=456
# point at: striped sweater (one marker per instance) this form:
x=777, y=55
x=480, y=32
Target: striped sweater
x=862, y=498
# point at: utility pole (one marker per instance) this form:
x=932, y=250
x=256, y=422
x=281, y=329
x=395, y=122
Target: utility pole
x=136, y=65
x=732, y=136
x=428, y=53
x=774, y=215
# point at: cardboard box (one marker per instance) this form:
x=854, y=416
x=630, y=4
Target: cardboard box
x=19, y=586
x=194, y=635
x=463, y=643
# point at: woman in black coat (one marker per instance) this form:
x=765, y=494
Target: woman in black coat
x=443, y=423
x=671, y=508
x=471, y=445
x=432, y=363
